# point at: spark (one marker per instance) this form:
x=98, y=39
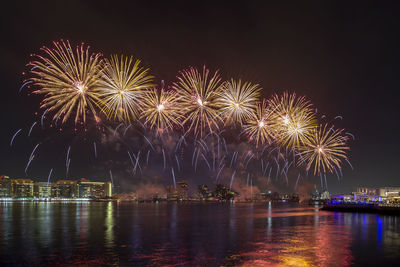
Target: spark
x=13, y=137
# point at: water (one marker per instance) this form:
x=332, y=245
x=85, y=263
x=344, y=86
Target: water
x=124, y=234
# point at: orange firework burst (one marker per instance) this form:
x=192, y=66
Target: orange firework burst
x=238, y=101
x=68, y=78
x=260, y=125
x=294, y=119
x=198, y=98
x=160, y=109
x=325, y=149
x=122, y=87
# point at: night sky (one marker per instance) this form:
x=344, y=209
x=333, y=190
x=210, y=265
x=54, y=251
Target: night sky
x=342, y=56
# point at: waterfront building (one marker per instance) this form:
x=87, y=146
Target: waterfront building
x=180, y=192
x=224, y=193
x=204, y=192
x=22, y=188
x=88, y=189
x=42, y=190
x=5, y=186
x=64, y=189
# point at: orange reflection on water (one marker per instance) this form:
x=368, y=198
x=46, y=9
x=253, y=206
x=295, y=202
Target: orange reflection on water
x=318, y=244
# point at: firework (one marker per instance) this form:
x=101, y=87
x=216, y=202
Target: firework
x=325, y=149
x=198, y=99
x=294, y=119
x=260, y=125
x=122, y=87
x=160, y=109
x=67, y=78
x=238, y=100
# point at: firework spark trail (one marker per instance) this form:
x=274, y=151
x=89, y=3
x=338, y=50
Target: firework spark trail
x=42, y=118
x=251, y=189
x=338, y=117
x=233, y=156
x=247, y=181
x=194, y=154
x=350, y=134
x=66, y=158
x=226, y=148
x=265, y=170
x=111, y=177
x=337, y=174
x=67, y=161
x=30, y=129
x=219, y=172
x=173, y=176
x=248, y=161
x=326, y=183
x=351, y=166
x=277, y=172
x=298, y=177
x=133, y=165
x=262, y=166
x=177, y=162
x=13, y=137
x=27, y=165
x=147, y=157
x=48, y=177
x=148, y=141
x=31, y=157
x=116, y=128
x=165, y=162
x=137, y=164
x=209, y=167
x=287, y=180
x=322, y=185
x=23, y=85
x=340, y=170
x=233, y=176
x=95, y=149
x=269, y=175
x=126, y=129
x=195, y=163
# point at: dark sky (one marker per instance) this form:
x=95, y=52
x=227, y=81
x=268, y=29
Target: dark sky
x=344, y=56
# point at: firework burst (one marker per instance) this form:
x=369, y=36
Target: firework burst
x=122, y=87
x=199, y=99
x=68, y=79
x=293, y=118
x=260, y=125
x=325, y=149
x=238, y=101
x=160, y=109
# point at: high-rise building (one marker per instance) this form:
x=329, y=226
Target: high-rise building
x=88, y=189
x=5, y=186
x=182, y=188
x=42, y=190
x=64, y=189
x=180, y=192
x=22, y=188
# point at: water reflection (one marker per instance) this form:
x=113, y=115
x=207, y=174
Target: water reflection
x=193, y=234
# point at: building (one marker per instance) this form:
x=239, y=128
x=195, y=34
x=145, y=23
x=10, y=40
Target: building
x=204, y=192
x=42, y=190
x=371, y=195
x=180, y=192
x=5, y=186
x=64, y=189
x=22, y=188
x=88, y=189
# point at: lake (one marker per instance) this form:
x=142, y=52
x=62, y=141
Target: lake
x=194, y=234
